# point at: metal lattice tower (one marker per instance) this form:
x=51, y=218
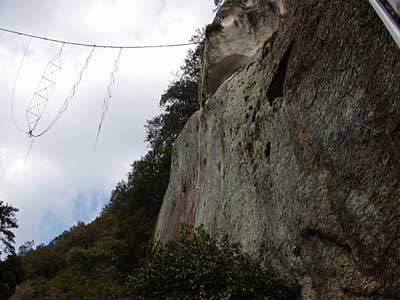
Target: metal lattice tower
x=44, y=90
x=67, y=100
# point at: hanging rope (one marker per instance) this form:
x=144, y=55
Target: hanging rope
x=200, y=96
x=32, y=140
x=108, y=96
x=38, y=104
x=96, y=46
x=14, y=88
x=69, y=98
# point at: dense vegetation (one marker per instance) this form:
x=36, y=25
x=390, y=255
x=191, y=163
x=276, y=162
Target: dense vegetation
x=8, y=222
x=11, y=272
x=197, y=267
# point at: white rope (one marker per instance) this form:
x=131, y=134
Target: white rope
x=15, y=86
x=108, y=96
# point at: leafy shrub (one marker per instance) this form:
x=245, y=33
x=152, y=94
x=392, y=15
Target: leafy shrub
x=199, y=267
x=213, y=27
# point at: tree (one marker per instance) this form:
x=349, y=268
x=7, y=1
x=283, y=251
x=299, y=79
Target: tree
x=44, y=262
x=7, y=223
x=149, y=178
x=11, y=274
x=26, y=247
x=198, y=267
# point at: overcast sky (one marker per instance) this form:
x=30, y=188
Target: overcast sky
x=63, y=181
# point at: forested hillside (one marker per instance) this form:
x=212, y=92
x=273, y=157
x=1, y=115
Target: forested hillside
x=91, y=261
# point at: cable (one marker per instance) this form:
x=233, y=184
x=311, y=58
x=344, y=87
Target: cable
x=14, y=87
x=32, y=140
x=69, y=98
x=96, y=46
x=108, y=96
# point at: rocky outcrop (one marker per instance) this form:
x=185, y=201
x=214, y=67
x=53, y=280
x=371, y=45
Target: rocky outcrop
x=295, y=154
x=234, y=39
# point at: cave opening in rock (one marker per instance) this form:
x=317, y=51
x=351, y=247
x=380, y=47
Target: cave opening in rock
x=276, y=87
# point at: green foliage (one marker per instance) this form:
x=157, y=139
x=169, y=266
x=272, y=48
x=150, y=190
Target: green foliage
x=199, y=267
x=7, y=223
x=213, y=27
x=94, y=273
x=11, y=274
x=107, y=255
x=149, y=178
x=43, y=262
x=26, y=247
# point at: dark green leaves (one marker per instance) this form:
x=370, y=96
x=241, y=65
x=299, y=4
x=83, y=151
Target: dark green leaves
x=7, y=223
x=199, y=267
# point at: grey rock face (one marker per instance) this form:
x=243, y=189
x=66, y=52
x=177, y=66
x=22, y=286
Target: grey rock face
x=298, y=157
x=234, y=39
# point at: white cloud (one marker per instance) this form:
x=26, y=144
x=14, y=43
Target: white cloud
x=63, y=181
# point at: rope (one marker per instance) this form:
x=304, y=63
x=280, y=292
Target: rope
x=69, y=98
x=94, y=45
x=108, y=96
x=32, y=140
x=14, y=88
x=203, y=74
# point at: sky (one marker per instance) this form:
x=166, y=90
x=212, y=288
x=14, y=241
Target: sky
x=62, y=180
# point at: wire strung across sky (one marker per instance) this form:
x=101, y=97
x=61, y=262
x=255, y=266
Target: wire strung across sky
x=42, y=95
x=94, y=45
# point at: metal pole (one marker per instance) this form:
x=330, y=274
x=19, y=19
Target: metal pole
x=396, y=5
x=388, y=20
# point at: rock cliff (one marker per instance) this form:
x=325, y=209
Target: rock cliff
x=295, y=152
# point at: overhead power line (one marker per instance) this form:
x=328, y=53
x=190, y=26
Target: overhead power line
x=94, y=45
